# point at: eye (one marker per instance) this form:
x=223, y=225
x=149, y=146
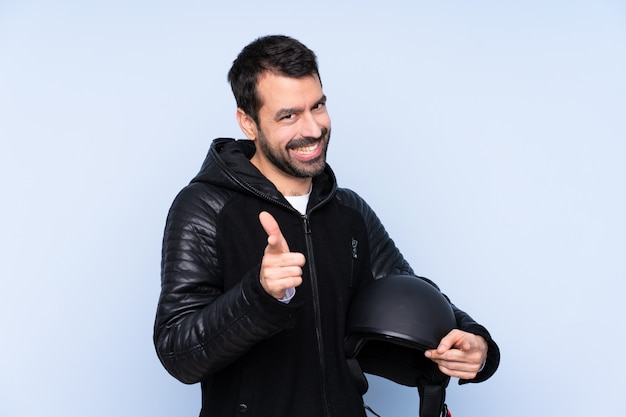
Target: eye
x=320, y=106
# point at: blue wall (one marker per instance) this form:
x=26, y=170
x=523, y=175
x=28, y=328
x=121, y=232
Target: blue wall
x=496, y=128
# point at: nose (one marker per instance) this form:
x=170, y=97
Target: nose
x=311, y=126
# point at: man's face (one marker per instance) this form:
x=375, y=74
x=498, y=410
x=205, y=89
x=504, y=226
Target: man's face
x=294, y=126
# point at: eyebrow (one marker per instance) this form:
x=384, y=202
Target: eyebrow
x=290, y=110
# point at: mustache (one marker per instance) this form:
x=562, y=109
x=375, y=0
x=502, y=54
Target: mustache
x=307, y=141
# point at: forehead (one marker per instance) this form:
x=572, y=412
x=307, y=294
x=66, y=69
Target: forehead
x=278, y=91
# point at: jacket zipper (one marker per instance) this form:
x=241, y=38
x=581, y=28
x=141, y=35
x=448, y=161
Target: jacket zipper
x=316, y=313
x=314, y=287
x=313, y=272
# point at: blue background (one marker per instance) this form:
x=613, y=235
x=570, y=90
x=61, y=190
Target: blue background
x=488, y=135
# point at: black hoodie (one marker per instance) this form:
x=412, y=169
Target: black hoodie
x=252, y=354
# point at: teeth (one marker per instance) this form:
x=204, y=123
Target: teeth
x=306, y=149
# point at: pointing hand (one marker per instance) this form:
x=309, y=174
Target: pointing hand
x=280, y=268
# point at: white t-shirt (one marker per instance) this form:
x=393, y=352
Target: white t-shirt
x=299, y=202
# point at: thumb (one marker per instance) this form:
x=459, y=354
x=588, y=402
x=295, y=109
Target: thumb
x=276, y=242
x=449, y=341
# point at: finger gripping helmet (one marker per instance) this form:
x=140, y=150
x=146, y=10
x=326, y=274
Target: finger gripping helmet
x=391, y=323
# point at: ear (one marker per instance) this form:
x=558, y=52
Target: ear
x=247, y=125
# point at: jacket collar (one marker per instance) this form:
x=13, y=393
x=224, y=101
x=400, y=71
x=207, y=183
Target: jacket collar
x=228, y=165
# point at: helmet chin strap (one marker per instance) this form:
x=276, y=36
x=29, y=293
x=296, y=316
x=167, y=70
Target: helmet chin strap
x=432, y=396
x=357, y=375
x=432, y=399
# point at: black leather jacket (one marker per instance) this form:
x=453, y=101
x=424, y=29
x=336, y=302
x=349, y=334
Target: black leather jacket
x=217, y=326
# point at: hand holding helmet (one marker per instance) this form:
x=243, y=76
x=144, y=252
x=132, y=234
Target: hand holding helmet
x=459, y=354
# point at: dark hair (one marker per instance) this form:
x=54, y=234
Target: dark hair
x=277, y=54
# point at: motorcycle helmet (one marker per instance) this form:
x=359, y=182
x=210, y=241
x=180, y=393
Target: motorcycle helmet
x=391, y=322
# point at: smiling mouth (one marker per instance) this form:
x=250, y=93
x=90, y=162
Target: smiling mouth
x=306, y=150
x=308, y=146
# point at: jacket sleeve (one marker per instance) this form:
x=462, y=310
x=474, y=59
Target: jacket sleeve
x=200, y=328
x=386, y=259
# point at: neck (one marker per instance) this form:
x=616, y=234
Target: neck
x=291, y=192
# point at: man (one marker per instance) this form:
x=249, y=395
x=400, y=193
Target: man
x=262, y=253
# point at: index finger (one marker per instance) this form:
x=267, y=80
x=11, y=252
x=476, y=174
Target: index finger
x=275, y=240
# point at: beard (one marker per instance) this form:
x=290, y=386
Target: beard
x=294, y=167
